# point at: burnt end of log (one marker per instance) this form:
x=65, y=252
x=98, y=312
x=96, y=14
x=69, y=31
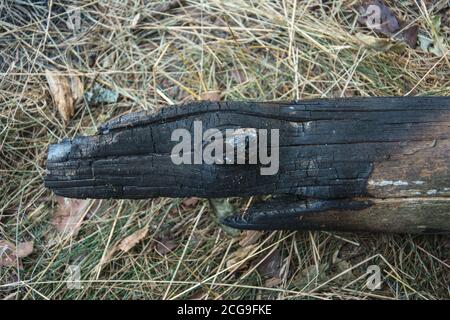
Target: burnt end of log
x=395, y=215
x=360, y=164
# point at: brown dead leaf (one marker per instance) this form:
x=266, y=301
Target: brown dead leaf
x=270, y=267
x=129, y=242
x=76, y=87
x=60, y=90
x=249, y=237
x=65, y=90
x=210, y=95
x=165, y=245
x=410, y=36
x=240, y=255
x=24, y=249
x=124, y=245
x=9, y=252
x=69, y=215
x=190, y=202
x=273, y=282
x=107, y=257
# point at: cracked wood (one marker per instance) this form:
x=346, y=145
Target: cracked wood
x=334, y=153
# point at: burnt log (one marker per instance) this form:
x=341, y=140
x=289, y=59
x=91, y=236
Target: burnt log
x=360, y=164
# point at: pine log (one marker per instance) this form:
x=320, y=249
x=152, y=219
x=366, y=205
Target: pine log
x=360, y=164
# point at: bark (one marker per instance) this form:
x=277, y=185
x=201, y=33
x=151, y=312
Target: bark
x=361, y=164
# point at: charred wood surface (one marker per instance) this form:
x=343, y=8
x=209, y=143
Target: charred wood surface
x=361, y=164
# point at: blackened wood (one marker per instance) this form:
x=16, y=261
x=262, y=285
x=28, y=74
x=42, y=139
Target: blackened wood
x=342, y=150
x=391, y=215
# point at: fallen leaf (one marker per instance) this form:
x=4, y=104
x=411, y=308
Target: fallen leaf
x=273, y=282
x=210, y=95
x=165, y=245
x=69, y=215
x=76, y=87
x=270, y=267
x=65, y=90
x=60, y=90
x=124, y=245
x=410, y=36
x=106, y=258
x=24, y=249
x=9, y=252
x=240, y=255
x=190, y=202
x=129, y=242
x=249, y=237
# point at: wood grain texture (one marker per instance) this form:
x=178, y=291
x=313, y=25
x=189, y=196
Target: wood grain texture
x=336, y=154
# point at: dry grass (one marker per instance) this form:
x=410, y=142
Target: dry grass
x=247, y=50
